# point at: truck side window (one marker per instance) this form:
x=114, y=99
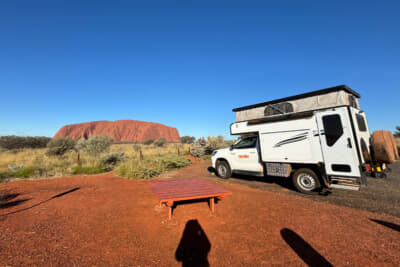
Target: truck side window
x=333, y=128
x=361, y=123
x=249, y=142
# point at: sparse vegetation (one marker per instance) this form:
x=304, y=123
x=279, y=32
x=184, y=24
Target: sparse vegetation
x=59, y=146
x=62, y=159
x=98, y=154
x=19, y=142
x=95, y=145
x=160, y=142
x=187, y=139
x=148, y=142
x=151, y=167
x=205, y=147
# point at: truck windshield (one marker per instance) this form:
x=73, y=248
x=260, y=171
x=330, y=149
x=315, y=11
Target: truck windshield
x=246, y=142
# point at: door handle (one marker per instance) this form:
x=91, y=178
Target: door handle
x=252, y=152
x=349, y=143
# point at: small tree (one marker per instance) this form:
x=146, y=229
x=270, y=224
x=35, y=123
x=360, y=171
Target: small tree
x=160, y=142
x=95, y=145
x=187, y=139
x=148, y=142
x=397, y=132
x=59, y=146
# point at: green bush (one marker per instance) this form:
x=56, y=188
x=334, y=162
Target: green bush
x=4, y=175
x=160, y=142
x=148, y=142
x=59, y=146
x=24, y=172
x=187, y=139
x=95, y=169
x=18, y=142
x=174, y=161
x=113, y=158
x=95, y=145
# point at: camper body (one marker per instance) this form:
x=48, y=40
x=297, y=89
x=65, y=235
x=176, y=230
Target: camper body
x=323, y=147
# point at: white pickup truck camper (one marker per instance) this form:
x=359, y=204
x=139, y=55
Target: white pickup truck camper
x=319, y=139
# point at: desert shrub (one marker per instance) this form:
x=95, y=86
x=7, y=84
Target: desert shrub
x=138, y=169
x=197, y=150
x=174, y=161
x=24, y=172
x=187, y=139
x=136, y=147
x=151, y=167
x=202, y=141
x=95, y=145
x=148, y=142
x=15, y=167
x=59, y=146
x=113, y=158
x=90, y=169
x=160, y=142
x=205, y=147
x=18, y=142
x=4, y=175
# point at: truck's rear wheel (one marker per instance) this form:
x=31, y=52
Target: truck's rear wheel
x=223, y=169
x=306, y=181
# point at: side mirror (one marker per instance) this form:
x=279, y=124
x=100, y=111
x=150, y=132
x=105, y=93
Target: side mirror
x=231, y=148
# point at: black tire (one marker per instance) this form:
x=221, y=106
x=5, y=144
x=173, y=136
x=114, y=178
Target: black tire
x=306, y=181
x=223, y=169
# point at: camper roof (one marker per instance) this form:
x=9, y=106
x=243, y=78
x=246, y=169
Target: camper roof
x=313, y=93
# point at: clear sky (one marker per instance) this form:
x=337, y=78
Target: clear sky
x=188, y=63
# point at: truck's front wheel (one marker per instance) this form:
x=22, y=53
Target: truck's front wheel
x=223, y=169
x=306, y=181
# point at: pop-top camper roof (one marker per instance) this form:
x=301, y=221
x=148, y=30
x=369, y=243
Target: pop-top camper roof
x=340, y=95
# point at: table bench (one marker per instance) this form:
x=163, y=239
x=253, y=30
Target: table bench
x=171, y=191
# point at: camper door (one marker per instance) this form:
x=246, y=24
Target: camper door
x=337, y=143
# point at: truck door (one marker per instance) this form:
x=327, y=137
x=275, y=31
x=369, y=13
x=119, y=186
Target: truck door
x=337, y=143
x=244, y=155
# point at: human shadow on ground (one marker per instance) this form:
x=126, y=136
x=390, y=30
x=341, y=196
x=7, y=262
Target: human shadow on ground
x=193, y=201
x=306, y=252
x=194, y=246
x=390, y=225
x=41, y=202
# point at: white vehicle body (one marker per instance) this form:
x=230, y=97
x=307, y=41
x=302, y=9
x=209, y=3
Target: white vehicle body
x=332, y=141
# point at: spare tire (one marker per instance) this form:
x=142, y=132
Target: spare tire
x=382, y=146
x=394, y=144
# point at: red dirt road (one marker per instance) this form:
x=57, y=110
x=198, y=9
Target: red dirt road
x=106, y=220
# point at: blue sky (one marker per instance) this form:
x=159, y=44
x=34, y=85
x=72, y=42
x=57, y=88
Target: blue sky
x=188, y=63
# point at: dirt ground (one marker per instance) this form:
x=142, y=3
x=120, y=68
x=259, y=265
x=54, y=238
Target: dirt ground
x=106, y=220
x=380, y=195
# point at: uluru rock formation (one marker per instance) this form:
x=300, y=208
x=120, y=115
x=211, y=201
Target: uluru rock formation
x=120, y=131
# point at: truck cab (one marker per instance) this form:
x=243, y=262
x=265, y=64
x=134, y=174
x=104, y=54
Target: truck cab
x=241, y=157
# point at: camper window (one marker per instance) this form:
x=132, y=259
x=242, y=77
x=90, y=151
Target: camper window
x=247, y=142
x=333, y=128
x=361, y=123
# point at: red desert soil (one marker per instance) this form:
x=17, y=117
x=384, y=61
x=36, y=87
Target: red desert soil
x=106, y=220
x=120, y=131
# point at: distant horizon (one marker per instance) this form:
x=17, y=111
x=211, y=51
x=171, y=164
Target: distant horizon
x=187, y=64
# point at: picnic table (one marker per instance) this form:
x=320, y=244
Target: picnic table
x=171, y=191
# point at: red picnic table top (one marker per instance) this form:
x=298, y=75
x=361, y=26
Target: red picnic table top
x=187, y=189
